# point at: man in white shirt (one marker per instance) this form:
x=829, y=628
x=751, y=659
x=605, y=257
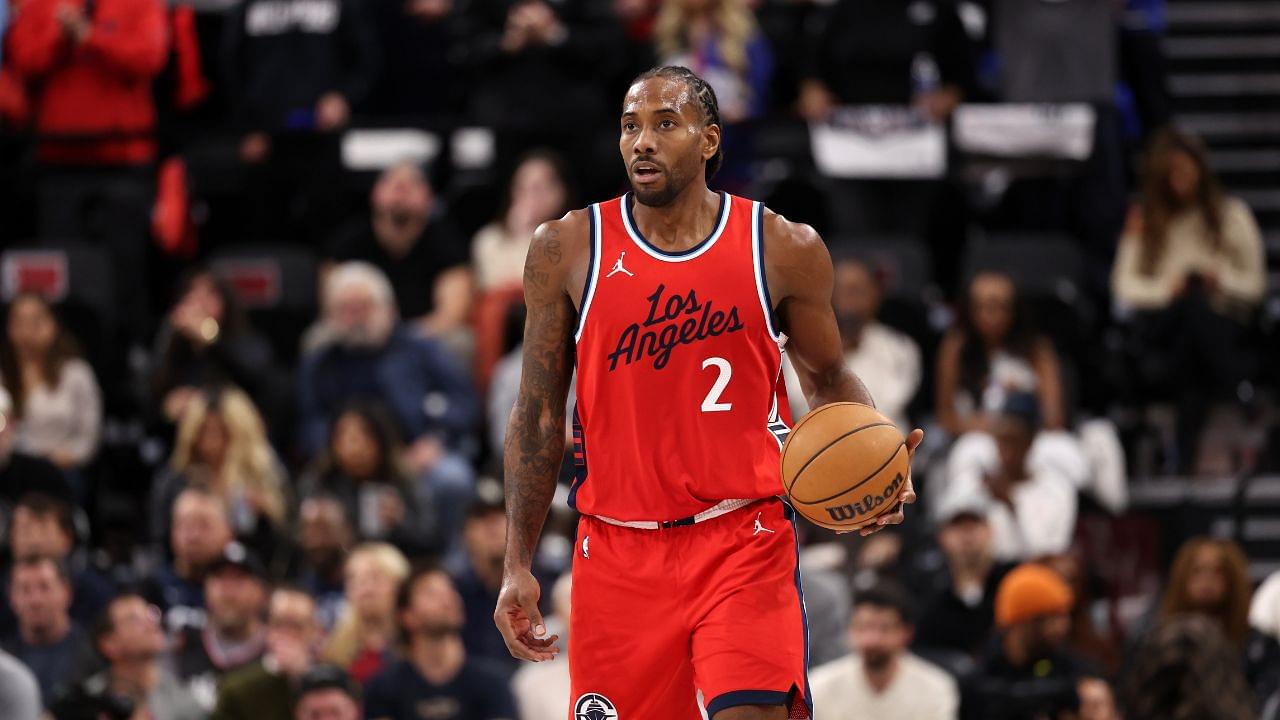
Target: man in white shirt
x=881, y=680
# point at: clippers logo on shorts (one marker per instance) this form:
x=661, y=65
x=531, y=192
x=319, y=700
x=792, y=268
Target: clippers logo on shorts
x=592, y=706
x=673, y=319
x=868, y=503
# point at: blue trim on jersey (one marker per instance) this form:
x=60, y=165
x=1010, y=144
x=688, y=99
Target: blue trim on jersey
x=790, y=513
x=758, y=256
x=747, y=697
x=579, y=463
x=588, y=288
x=720, y=221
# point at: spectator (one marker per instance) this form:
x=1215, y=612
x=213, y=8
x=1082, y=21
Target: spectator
x=418, y=38
x=1186, y=668
x=265, y=689
x=207, y=341
x=992, y=352
x=21, y=473
x=1210, y=577
x=1191, y=264
x=42, y=525
x=1026, y=674
x=958, y=613
x=882, y=679
x=542, y=690
x=539, y=191
x=417, y=247
x=328, y=693
x=222, y=446
x=131, y=640
x=437, y=670
x=1086, y=641
x=366, y=633
x=91, y=67
x=886, y=360
x=361, y=468
x=1097, y=699
x=52, y=645
x=19, y=693
x=293, y=73
x=372, y=357
x=56, y=399
x=233, y=636
x=199, y=533
x=325, y=537
x=477, y=575
x=1032, y=506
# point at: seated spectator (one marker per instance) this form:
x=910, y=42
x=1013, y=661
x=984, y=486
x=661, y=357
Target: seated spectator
x=1192, y=265
x=542, y=690
x=477, y=575
x=539, y=191
x=207, y=341
x=1097, y=699
x=365, y=637
x=328, y=693
x=372, y=356
x=1087, y=641
x=1210, y=577
x=265, y=689
x=130, y=639
x=361, y=468
x=19, y=692
x=42, y=526
x=416, y=246
x=52, y=645
x=1187, y=668
x=91, y=71
x=958, y=611
x=56, y=400
x=886, y=360
x=861, y=53
x=1027, y=674
x=1032, y=506
x=21, y=473
x=437, y=670
x=882, y=679
x=222, y=447
x=325, y=537
x=993, y=351
x=199, y=532
x=233, y=636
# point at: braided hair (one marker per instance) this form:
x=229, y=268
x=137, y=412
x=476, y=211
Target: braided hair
x=707, y=101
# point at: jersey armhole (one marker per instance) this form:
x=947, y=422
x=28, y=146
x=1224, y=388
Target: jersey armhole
x=762, y=283
x=593, y=269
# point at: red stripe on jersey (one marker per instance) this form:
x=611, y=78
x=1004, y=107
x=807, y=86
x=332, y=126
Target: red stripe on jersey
x=678, y=362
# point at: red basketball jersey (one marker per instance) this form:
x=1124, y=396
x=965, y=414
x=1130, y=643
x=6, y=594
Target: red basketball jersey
x=679, y=400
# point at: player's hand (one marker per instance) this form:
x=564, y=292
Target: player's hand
x=907, y=497
x=519, y=620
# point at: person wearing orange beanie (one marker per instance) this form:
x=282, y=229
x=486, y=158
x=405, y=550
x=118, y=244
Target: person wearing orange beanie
x=1028, y=673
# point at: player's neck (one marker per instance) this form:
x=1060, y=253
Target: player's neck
x=682, y=223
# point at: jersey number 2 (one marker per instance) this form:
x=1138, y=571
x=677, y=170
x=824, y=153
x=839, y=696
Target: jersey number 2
x=711, y=403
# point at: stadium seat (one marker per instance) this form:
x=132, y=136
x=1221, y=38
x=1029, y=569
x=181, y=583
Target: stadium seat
x=276, y=285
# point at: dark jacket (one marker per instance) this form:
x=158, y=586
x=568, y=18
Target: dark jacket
x=253, y=693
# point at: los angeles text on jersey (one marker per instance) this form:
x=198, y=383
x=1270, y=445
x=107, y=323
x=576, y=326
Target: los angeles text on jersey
x=701, y=321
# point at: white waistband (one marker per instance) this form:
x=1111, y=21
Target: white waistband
x=721, y=508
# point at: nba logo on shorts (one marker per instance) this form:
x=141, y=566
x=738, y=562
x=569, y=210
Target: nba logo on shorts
x=594, y=707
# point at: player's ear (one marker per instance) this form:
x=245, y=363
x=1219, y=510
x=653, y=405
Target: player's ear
x=710, y=141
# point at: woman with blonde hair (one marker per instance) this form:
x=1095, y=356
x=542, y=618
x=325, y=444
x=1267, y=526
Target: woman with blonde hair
x=367, y=629
x=222, y=445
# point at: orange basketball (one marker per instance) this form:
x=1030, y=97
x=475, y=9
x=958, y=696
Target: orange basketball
x=844, y=464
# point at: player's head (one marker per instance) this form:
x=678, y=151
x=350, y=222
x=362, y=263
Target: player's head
x=670, y=133
x=881, y=626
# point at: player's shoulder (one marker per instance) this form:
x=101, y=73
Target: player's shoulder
x=573, y=225
x=781, y=232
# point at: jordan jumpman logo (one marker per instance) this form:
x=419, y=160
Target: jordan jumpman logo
x=760, y=528
x=617, y=267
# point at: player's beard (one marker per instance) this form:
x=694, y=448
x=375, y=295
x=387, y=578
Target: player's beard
x=676, y=183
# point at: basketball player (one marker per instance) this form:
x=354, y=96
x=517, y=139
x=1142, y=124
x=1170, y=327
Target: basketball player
x=674, y=302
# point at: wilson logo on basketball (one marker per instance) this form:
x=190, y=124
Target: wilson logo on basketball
x=701, y=320
x=865, y=506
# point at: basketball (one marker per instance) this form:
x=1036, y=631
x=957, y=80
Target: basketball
x=844, y=464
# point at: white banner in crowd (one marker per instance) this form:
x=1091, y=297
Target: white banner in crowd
x=879, y=141
x=1025, y=130
x=372, y=149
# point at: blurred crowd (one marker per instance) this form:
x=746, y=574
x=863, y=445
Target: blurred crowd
x=262, y=267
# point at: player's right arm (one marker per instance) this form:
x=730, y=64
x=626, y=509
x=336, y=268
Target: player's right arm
x=535, y=435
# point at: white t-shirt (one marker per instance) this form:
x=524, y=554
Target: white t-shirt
x=919, y=691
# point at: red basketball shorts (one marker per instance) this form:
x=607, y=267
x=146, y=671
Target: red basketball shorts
x=659, y=614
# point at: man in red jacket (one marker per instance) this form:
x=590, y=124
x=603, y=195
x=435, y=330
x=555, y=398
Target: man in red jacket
x=90, y=65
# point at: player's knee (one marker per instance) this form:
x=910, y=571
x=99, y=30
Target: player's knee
x=752, y=712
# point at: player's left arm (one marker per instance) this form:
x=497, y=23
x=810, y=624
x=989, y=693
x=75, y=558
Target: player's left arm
x=801, y=279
